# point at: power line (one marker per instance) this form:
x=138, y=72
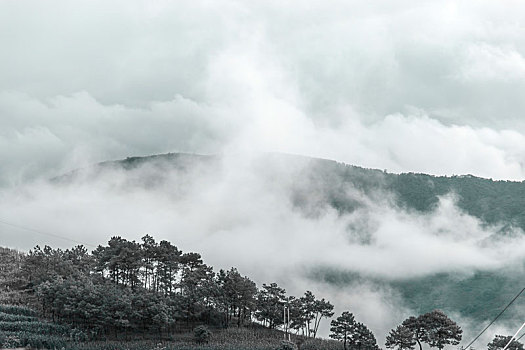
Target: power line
x=521, y=336
x=45, y=233
x=494, y=320
x=514, y=337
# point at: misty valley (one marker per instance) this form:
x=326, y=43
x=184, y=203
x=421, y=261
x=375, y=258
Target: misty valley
x=262, y=175
x=297, y=253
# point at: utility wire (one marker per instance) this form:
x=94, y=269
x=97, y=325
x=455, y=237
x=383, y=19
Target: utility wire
x=521, y=336
x=45, y=233
x=494, y=320
x=514, y=337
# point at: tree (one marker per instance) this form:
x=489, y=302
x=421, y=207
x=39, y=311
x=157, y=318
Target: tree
x=122, y=259
x=307, y=312
x=11, y=282
x=441, y=330
x=198, y=291
x=500, y=341
x=270, y=303
x=363, y=338
x=322, y=309
x=168, y=264
x=434, y=328
x=307, y=308
x=343, y=327
x=149, y=253
x=418, y=328
x=401, y=338
x=238, y=295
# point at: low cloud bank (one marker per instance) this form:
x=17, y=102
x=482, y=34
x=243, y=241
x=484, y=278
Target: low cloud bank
x=237, y=211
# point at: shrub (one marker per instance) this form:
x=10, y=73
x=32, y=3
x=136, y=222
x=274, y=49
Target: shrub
x=36, y=327
x=287, y=345
x=201, y=334
x=5, y=317
x=17, y=310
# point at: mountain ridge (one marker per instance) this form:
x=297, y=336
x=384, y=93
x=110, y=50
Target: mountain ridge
x=314, y=184
x=494, y=202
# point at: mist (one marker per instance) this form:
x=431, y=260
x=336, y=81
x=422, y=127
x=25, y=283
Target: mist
x=431, y=87
x=238, y=211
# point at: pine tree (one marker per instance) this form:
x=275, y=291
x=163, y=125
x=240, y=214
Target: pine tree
x=401, y=338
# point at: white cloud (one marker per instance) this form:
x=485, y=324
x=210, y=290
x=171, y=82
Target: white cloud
x=238, y=212
x=399, y=86
x=430, y=87
x=484, y=62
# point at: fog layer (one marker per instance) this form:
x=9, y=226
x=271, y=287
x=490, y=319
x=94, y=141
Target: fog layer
x=240, y=211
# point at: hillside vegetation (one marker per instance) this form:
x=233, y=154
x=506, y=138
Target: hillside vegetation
x=313, y=185
x=320, y=182
x=150, y=295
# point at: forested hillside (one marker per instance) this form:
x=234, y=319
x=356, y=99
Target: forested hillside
x=320, y=182
x=313, y=185
x=142, y=291
x=127, y=294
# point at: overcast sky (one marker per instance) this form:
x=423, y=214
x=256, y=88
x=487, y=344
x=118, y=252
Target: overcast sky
x=424, y=86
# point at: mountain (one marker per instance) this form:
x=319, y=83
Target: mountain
x=315, y=185
x=493, y=202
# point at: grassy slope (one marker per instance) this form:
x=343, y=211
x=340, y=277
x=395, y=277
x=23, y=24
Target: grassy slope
x=227, y=339
x=19, y=327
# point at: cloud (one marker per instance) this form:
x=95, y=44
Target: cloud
x=384, y=85
x=238, y=211
x=486, y=62
x=430, y=87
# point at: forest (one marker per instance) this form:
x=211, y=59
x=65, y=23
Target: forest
x=148, y=292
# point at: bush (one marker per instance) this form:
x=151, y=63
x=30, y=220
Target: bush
x=17, y=310
x=26, y=339
x=201, y=334
x=5, y=317
x=36, y=327
x=287, y=345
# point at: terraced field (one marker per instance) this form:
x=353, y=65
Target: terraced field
x=20, y=327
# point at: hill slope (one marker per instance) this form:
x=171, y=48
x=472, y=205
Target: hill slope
x=493, y=202
x=315, y=185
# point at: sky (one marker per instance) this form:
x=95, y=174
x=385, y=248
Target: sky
x=427, y=86
x=408, y=86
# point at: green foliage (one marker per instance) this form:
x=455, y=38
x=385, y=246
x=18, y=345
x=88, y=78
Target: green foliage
x=4, y=317
x=352, y=333
x=342, y=328
x=32, y=340
x=287, y=345
x=307, y=312
x=149, y=289
x=34, y=327
x=11, y=284
x=228, y=339
x=270, y=304
x=433, y=328
x=401, y=338
x=201, y=334
x=440, y=330
x=237, y=296
x=500, y=341
x=17, y=310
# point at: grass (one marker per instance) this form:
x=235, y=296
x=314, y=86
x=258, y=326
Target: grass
x=20, y=327
x=228, y=339
x=17, y=310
